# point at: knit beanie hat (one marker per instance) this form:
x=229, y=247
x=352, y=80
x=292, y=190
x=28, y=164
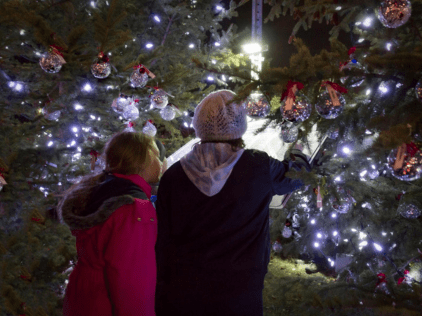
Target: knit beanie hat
x=215, y=119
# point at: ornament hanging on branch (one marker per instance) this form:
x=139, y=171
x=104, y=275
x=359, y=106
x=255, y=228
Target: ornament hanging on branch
x=119, y=104
x=159, y=98
x=418, y=90
x=343, y=203
x=131, y=111
x=53, y=61
x=289, y=132
x=331, y=103
x=295, y=108
x=351, y=66
x=168, y=112
x=129, y=127
x=139, y=77
x=53, y=116
x=149, y=128
x=277, y=247
x=257, y=105
x=287, y=230
x=409, y=209
x=405, y=162
x=394, y=13
x=101, y=67
x=2, y=181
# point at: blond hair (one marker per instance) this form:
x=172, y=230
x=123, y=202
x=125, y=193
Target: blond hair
x=125, y=153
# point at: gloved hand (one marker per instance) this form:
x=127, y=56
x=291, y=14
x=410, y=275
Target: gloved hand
x=297, y=160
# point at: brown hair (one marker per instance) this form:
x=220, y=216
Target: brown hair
x=235, y=143
x=125, y=153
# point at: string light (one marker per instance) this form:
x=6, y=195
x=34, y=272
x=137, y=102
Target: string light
x=217, y=44
x=316, y=245
x=156, y=18
x=377, y=247
x=210, y=78
x=388, y=46
x=22, y=32
x=78, y=107
x=312, y=221
x=191, y=46
x=219, y=7
x=367, y=22
x=335, y=233
x=87, y=87
x=50, y=143
x=149, y=45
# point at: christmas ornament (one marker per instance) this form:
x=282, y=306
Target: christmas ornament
x=149, y=129
x=139, y=77
x=287, y=232
x=129, y=127
x=409, y=210
x=333, y=132
x=2, y=181
x=130, y=112
x=394, y=13
x=97, y=161
x=343, y=203
x=295, y=108
x=120, y=103
x=418, y=90
x=350, y=67
x=51, y=116
x=257, y=105
x=101, y=67
x=168, y=113
x=53, y=61
x=159, y=99
x=331, y=103
x=381, y=285
x=289, y=132
x=277, y=247
x=405, y=162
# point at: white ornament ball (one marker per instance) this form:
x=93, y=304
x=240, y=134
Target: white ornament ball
x=168, y=113
x=289, y=132
x=149, y=129
x=277, y=247
x=51, y=63
x=409, y=210
x=101, y=70
x=138, y=80
x=344, y=203
x=257, y=105
x=130, y=112
x=300, y=111
x=394, y=13
x=287, y=232
x=418, y=90
x=159, y=99
x=326, y=108
x=352, y=81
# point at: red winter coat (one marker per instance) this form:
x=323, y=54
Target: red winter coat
x=116, y=269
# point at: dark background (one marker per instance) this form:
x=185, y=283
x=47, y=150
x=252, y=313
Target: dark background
x=276, y=34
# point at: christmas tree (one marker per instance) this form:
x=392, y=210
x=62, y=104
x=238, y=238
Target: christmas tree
x=72, y=74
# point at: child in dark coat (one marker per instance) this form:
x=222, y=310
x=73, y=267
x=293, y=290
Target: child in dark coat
x=213, y=242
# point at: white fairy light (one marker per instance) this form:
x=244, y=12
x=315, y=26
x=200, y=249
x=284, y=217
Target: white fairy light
x=377, y=247
x=50, y=143
x=333, y=215
x=92, y=116
x=383, y=88
x=217, y=44
x=75, y=129
x=363, y=243
x=214, y=61
x=319, y=235
x=191, y=46
x=187, y=33
x=367, y=22
x=18, y=87
x=335, y=233
x=22, y=32
x=361, y=40
x=388, y=46
x=87, y=87
x=384, y=233
x=362, y=235
x=93, y=4
x=316, y=244
x=72, y=143
x=11, y=84
x=156, y=18
x=346, y=150
x=345, y=240
x=185, y=113
x=219, y=8
x=353, y=230
x=149, y=45
x=338, y=8
x=312, y=221
x=185, y=124
x=209, y=78
x=223, y=77
x=363, y=173
x=337, y=179
x=78, y=107
x=368, y=91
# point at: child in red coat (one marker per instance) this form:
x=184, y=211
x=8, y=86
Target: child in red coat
x=115, y=226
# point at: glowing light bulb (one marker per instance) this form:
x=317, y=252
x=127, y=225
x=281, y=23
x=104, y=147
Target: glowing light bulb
x=319, y=235
x=149, y=45
x=346, y=150
x=377, y=247
x=335, y=233
x=368, y=92
x=156, y=18
x=22, y=32
x=219, y=7
x=210, y=78
x=18, y=87
x=87, y=87
x=75, y=129
x=50, y=143
x=361, y=40
x=316, y=245
x=312, y=221
x=334, y=215
x=367, y=22
x=191, y=46
x=388, y=46
x=78, y=107
x=217, y=44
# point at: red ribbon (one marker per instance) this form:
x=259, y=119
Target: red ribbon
x=151, y=121
x=57, y=49
x=351, y=50
x=335, y=86
x=401, y=279
x=381, y=278
x=103, y=57
x=94, y=153
x=142, y=69
x=136, y=100
x=130, y=124
x=412, y=149
x=1, y=172
x=289, y=90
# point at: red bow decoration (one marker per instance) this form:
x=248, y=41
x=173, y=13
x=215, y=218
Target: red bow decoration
x=412, y=149
x=381, y=279
x=103, y=57
x=136, y=100
x=335, y=86
x=401, y=279
x=94, y=153
x=151, y=121
x=130, y=124
x=350, y=52
x=289, y=90
x=142, y=69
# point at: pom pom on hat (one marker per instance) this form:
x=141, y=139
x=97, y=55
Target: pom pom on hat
x=215, y=119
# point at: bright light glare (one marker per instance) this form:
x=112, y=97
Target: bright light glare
x=316, y=245
x=361, y=40
x=363, y=243
x=334, y=215
x=384, y=233
x=50, y=143
x=217, y=44
x=367, y=22
x=149, y=45
x=368, y=92
x=223, y=77
x=93, y=4
x=11, y=84
x=252, y=48
x=319, y=235
x=388, y=46
x=363, y=173
x=22, y=32
x=156, y=18
x=78, y=107
x=358, y=23
x=186, y=124
x=346, y=150
x=75, y=129
x=191, y=46
x=18, y=87
x=87, y=87
x=219, y=8
x=338, y=8
x=377, y=247
x=362, y=235
x=313, y=221
x=337, y=179
x=335, y=233
x=210, y=78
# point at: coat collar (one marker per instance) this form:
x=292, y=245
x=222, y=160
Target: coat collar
x=138, y=180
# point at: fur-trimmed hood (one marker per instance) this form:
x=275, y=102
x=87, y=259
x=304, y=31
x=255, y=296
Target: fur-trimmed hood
x=86, y=209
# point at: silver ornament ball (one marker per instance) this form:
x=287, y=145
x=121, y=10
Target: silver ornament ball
x=168, y=113
x=52, y=63
x=138, y=80
x=159, y=99
x=257, y=105
x=101, y=70
x=409, y=210
x=289, y=132
x=411, y=168
x=326, y=108
x=149, y=129
x=300, y=111
x=394, y=13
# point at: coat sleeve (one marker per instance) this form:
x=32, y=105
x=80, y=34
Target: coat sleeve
x=130, y=267
x=280, y=183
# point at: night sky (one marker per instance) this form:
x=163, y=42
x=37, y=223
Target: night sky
x=276, y=34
